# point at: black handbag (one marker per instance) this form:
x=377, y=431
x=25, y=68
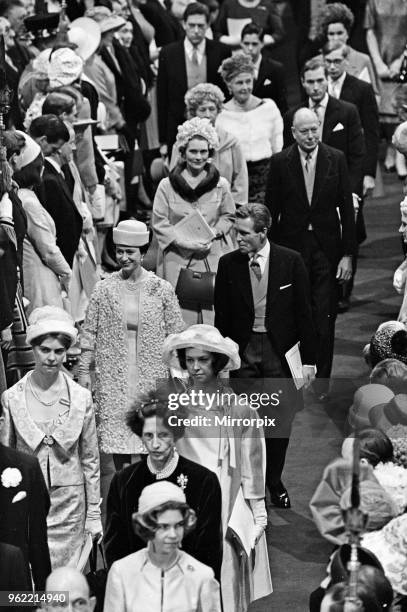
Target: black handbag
x=97, y=578
x=195, y=290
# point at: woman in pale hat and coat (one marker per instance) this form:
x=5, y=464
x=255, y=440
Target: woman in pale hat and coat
x=194, y=184
x=130, y=314
x=161, y=576
x=235, y=451
x=46, y=272
x=50, y=416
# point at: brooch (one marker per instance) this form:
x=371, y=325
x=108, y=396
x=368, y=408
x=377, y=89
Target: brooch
x=182, y=481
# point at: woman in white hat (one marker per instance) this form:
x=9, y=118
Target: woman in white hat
x=229, y=440
x=50, y=416
x=45, y=270
x=193, y=185
x=162, y=577
x=130, y=314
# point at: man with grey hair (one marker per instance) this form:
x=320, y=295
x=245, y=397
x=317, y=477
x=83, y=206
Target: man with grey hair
x=69, y=581
x=307, y=183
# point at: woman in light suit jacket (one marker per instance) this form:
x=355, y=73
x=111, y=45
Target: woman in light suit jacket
x=50, y=416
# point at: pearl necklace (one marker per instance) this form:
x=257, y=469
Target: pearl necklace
x=132, y=285
x=167, y=470
x=37, y=397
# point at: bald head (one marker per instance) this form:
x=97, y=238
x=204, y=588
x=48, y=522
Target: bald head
x=306, y=129
x=70, y=580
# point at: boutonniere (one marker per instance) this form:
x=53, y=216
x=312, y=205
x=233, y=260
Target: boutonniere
x=11, y=477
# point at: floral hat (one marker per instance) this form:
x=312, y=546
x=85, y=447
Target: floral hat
x=197, y=127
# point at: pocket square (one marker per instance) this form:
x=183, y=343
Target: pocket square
x=338, y=127
x=267, y=82
x=285, y=286
x=18, y=497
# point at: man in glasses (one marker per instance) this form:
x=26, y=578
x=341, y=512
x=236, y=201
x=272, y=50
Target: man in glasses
x=69, y=591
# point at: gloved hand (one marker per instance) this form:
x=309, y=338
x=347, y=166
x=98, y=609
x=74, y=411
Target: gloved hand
x=399, y=279
x=6, y=207
x=258, y=508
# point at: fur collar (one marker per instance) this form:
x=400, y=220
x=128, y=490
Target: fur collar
x=180, y=185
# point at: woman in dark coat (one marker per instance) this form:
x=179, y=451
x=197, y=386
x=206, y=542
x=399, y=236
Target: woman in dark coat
x=151, y=419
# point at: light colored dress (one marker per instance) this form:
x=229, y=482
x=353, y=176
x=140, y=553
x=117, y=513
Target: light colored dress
x=134, y=583
x=125, y=329
x=43, y=261
x=218, y=209
x=388, y=20
x=237, y=456
x=67, y=451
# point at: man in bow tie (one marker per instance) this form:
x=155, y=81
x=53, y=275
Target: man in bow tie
x=262, y=302
x=24, y=505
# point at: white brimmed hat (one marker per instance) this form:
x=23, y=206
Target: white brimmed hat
x=205, y=337
x=131, y=233
x=28, y=153
x=85, y=34
x=50, y=320
x=159, y=493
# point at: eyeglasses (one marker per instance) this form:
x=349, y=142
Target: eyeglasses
x=77, y=605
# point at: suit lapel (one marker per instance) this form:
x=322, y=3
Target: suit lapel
x=262, y=73
x=321, y=172
x=273, y=286
x=61, y=181
x=243, y=279
x=294, y=164
x=331, y=119
x=182, y=63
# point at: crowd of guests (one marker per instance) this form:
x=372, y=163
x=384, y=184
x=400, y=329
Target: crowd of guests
x=173, y=227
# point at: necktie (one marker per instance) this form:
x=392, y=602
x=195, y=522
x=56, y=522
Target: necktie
x=195, y=56
x=317, y=108
x=255, y=266
x=308, y=158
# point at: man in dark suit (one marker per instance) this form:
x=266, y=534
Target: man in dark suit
x=24, y=505
x=343, y=86
x=52, y=135
x=262, y=302
x=183, y=65
x=341, y=126
x=307, y=182
x=269, y=79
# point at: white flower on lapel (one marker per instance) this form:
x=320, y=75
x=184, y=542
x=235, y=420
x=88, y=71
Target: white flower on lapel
x=11, y=477
x=18, y=497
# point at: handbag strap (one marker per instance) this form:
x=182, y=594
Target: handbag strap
x=205, y=262
x=94, y=555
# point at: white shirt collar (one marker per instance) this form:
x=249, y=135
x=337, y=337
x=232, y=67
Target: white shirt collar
x=257, y=66
x=262, y=256
x=188, y=46
x=303, y=154
x=338, y=84
x=323, y=102
x=55, y=164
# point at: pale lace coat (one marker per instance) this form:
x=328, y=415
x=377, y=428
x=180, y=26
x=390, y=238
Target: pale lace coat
x=104, y=332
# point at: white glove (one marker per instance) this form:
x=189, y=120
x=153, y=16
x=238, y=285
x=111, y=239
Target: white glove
x=6, y=207
x=97, y=202
x=258, y=508
x=399, y=280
